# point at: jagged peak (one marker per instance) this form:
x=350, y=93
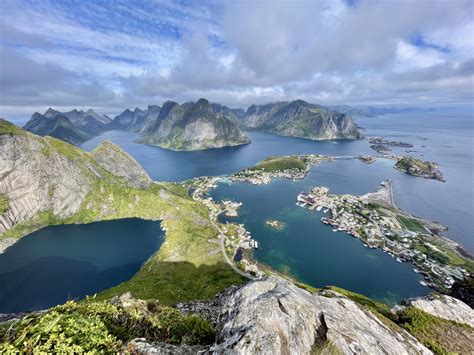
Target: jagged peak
x=202, y=102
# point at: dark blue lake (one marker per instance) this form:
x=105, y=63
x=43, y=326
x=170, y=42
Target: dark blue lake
x=58, y=263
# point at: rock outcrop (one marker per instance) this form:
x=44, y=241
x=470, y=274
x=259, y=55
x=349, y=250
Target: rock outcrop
x=112, y=158
x=46, y=175
x=445, y=307
x=421, y=168
x=193, y=126
x=301, y=119
x=274, y=316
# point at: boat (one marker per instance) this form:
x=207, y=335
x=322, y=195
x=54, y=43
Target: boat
x=319, y=208
x=416, y=270
x=423, y=283
x=334, y=230
x=326, y=210
x=399, y=260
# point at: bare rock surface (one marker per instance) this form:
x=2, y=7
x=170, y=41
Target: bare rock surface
x=274, y=316
x=445, y=307
x=46, y=175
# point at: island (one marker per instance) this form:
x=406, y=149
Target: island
x=299, y=118
x=292, y=167
x=418, y=167
x=193, y=126
x=275, y=224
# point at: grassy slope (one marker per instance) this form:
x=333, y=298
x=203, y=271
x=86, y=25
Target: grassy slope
x=440, y=335
x=275, y=164
x=188, y=265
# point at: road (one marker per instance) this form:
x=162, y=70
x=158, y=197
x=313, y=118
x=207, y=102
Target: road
x=213, y=218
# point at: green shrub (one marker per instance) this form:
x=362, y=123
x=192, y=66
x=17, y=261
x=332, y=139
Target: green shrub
x=93, y=326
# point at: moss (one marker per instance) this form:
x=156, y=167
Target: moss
x=3, y=203
x=440, y=335
x=275, y=164
x=101, y=327
x=9, y=128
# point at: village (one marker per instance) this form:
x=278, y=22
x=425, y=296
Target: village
x=378, y=224
x=235, y=239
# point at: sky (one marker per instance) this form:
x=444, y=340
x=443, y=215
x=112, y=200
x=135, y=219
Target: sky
x=110, y=55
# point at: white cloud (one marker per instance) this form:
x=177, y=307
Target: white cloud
x=237, y=52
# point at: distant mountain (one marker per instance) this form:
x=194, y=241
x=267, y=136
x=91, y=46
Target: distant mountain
x=229, y=112
x=58, y=126
x=137, y=119
x=74, y=126
x=355, y=112
x=193, y=126
x=301, y=119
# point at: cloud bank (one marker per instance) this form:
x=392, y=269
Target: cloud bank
x=121, y=54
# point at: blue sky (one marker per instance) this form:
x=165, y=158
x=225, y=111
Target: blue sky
x=110, y=55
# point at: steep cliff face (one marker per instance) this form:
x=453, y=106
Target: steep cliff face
x=301, y=119
x=74, y=126
x=193, y=126
x=57, y=126
x=137, y=119
x=46, y=175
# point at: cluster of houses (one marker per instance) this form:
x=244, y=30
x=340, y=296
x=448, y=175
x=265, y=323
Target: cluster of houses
x=350, y=214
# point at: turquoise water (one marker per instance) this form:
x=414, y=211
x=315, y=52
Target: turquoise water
x=58, y=263
x=445, y=138
x=310, y=250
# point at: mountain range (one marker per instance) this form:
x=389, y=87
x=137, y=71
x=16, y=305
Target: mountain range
x=201, y=124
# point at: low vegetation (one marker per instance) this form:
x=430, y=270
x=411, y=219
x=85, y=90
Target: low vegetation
x=440, y=335
x=275, y=164
x=9, y=128
x=101, y=327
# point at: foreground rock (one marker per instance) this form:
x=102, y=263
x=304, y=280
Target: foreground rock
x=445, y=307
x=276, y=317
x=421, y=168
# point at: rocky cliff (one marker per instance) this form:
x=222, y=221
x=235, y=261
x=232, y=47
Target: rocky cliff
x=137, y=119
x=193, y=126
x=44, y=176
x=301, y=119
x=57, y=126
x=74, y=126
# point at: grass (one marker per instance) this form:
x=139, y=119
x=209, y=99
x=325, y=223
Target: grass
x=186, y=265
x=275, y=164
x=9, y=128
x=102, y=327
x=3, y=203
x=172, y=282
x=412, y=224
x=440, y=335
